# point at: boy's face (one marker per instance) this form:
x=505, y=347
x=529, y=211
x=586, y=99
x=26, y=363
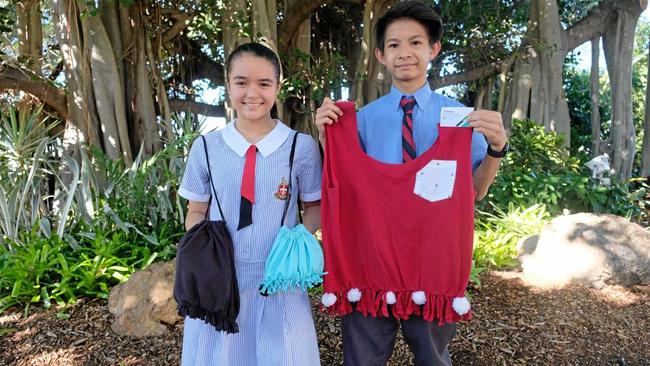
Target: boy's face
x=407, y=53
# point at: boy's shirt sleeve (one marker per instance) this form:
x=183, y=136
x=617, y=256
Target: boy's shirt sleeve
x=308, y=168
x=195, y=185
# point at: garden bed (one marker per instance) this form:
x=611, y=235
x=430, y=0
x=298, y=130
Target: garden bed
x=513, y=325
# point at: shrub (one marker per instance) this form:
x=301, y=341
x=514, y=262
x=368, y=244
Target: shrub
x=538, y=169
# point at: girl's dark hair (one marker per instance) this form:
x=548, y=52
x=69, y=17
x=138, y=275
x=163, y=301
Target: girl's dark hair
x=256, y=49
x=412, y=9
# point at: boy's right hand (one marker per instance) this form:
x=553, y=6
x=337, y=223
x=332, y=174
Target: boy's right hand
x=327, y=114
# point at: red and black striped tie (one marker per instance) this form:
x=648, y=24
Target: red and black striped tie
x=408, y=143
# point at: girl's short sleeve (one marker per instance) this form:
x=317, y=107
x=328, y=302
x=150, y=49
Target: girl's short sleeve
x=309, y=168
x=195, y=185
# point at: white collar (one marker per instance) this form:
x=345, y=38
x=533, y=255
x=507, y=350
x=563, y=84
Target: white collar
x=267, y=145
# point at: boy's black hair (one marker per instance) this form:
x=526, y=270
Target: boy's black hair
x=412, y=9
x=256, y=49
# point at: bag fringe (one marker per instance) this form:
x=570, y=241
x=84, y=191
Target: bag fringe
x=272, y=285
x=220, y=322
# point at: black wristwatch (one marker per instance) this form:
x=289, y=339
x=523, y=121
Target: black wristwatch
x=498, y=154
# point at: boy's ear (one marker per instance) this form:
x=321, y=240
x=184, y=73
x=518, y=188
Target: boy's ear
x=380, y=56
x=435, y=50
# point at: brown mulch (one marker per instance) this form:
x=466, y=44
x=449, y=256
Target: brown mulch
x=513, y=325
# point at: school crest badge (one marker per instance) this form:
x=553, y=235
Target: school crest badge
x=283, y=190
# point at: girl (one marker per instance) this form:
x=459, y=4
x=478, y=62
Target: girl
x=249, y=161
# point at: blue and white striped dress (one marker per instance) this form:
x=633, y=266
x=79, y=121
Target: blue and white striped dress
x=273, y=330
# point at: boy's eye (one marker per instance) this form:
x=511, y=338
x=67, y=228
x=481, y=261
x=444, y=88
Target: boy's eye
x=392, y=45
x=415, y=43
x=240, y=83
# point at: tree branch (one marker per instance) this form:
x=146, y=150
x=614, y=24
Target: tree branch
x=293, y=19
x=593, y=24
x=180, y=23
x=200, y=65
x=184, y=105
x=481, y=72
x=17, y=78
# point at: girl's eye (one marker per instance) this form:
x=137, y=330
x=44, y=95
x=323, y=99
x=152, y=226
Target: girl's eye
x=240, y=83
x=265, y=85
x=392, y=45
x=415, y=43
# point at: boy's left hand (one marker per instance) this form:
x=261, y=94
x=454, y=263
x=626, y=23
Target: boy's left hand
x=490, y=124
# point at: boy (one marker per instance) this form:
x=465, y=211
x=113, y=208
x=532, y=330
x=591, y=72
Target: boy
x=408, y=38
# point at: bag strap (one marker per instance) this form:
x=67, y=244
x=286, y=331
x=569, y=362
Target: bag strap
x=214, y=191
x=286, y=204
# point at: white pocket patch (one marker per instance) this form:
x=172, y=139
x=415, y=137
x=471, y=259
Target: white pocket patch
x=435, y=181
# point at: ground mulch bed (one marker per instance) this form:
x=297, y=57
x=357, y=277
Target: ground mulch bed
x=513, y=325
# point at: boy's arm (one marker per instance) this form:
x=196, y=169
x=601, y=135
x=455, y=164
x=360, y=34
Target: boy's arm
x=490, y=124
x=484, y=175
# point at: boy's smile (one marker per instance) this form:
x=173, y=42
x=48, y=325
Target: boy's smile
x=407, y=53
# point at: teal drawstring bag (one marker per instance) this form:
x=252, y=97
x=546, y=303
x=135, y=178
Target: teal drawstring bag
x=296, y=258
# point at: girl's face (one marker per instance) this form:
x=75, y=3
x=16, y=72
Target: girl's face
x=252, y=86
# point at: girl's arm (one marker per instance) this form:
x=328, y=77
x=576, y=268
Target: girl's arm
x=311, y=215
x=195, y=213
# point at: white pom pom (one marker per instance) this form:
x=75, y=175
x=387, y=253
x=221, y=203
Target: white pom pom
x=390, y=298
x=354, y=295
x=419, y=297
x=328, y=299
x=461, y=305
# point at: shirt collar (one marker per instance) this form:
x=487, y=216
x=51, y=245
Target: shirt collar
x=422, y=96
x=266, y=146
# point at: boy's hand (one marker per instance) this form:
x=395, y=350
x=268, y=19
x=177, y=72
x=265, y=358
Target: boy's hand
x=327, y=114
x=490, y=124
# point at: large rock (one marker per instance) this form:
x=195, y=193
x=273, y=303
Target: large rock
x=590, y=249
x=144, y=305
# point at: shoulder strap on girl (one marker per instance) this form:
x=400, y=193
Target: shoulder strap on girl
x=291, y=155
x=214, y=191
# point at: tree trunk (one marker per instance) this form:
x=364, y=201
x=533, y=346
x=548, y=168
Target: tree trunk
x=595, y=97
x=30, y=33
x=231, y=39
x=302, y=118
x=484, y=95
x=30, y=43
x=264, y=22
x=618, y=43
x=518, y=95
x=78, y=76
x=552, y=51
x=107, y=89
x=378, y=80
x=143, y=106
x=645, y=157
x=365, y=54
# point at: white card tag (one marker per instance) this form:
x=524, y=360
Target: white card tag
x=435, y=181
x=454, y=116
